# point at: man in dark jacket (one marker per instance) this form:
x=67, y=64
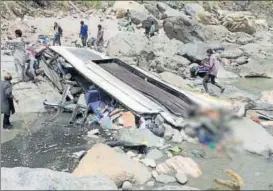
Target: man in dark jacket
x=7, y=106
x=84, y=33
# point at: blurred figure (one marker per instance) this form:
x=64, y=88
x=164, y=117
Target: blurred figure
x=150, y=30
x=213, y=66
x=19, y=53
x=84, y=33
x=58, y=32
x=128, y=15
x=129, y=27
x=100, y=38
x=7, y=105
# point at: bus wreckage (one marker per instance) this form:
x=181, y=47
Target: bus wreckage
x=92, y=83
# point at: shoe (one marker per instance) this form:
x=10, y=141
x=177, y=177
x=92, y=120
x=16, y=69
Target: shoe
x=222, y=90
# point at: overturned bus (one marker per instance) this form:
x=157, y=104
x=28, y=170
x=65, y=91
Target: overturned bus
x=92, y=80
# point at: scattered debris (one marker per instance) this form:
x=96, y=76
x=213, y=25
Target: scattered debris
x=236, y=183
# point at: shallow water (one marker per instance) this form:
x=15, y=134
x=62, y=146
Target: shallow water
x=254, y=85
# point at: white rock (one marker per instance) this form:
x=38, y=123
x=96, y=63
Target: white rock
x=131, y=154
x=181, y=178
x=154, y=174
x=127, y=185
x=150, y=183
x=154, y=154
x=168, y=134
x=149, y=162
x=165, y=179
x=177, y=137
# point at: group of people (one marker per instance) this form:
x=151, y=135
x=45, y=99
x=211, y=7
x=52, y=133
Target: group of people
x=83, y=35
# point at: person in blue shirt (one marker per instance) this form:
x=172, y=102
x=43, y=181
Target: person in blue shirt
x=84, y=33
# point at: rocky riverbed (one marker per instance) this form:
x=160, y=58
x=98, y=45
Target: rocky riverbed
x=175, y=161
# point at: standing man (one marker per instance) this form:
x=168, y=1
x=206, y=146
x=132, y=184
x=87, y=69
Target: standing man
x=84, y=33
x=100, y=38
x=7, y=106
x=58, y=32
x=213, y=66
x=19, y=53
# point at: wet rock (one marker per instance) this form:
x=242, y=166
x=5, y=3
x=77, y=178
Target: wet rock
x=165, y=179
x=242, y=60
x=127, y=185
x=130, y=44
x=232, y=53
x=168, y=134
x=187, y=30
x=176, y=188
x=181, y=178
x=154, y=154
x=120, y=7
x=101, y=159
x=22, y=178
x=137, y=136
x=177, y=137
x=150, y=183
x=149, y=162
x=193, y=9
x=179, y=164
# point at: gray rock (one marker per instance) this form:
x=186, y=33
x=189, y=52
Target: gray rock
x=232, y=53
x=151, y=7
x=154, y=173
x=150, y=183
x=167, y=11
x=130, y=44
x=177, y=137
x=22, y=178
x=176, y=188
x=127, y=186
x=196, y=52
x=187, y=30
x=242, y=60
x=137, y=136
x=138, y=17
x=159, y=120
x=154, y=154
x=181, y=178
x=251, y=49
x=193, y=8
x=168, y=134
x=149, y=162
x=165, y=179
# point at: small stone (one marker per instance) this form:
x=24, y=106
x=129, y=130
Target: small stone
x=177, y=137
x=131, y=154
x=168, y=134
x=154, y=154
x=139, y=156
x=159, y=120
x=181, y=178
x=119, y=150
x=127, y=185
x=165, y=179
x=169, y=154
x=154, y=173
x=149, y=162
x=150, y=183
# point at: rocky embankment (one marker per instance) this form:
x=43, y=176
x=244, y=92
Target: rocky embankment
x=185, y=30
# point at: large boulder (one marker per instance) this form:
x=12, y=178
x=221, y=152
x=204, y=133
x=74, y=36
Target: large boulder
x=138, y=17
x=152, y=8
x=22, y=178
x=187, y=30
x=127, y=44
x=239, y=22
x=103, y=160
x=138, y=136
x=193, y=9
x=121, y=7
x=148, y=21
x=196, y=52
